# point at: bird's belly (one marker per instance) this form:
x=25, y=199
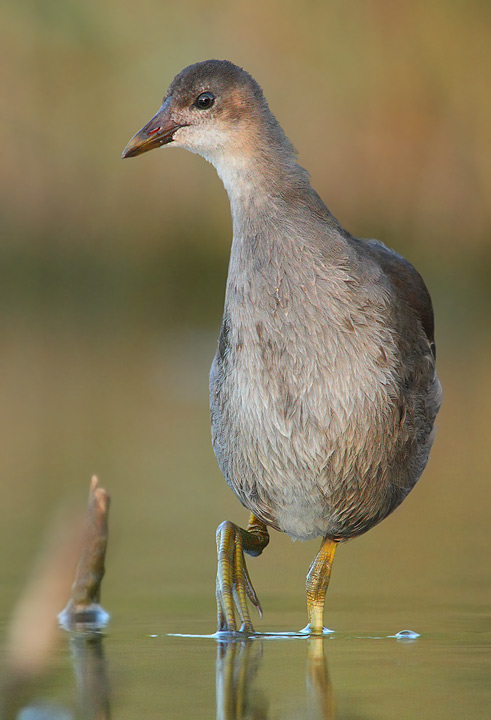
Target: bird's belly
x=313, y=450
x=316, y=430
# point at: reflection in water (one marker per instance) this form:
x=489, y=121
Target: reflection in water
x=239, y=698
x=93, y=693
x=319, y=688
x=89, y=664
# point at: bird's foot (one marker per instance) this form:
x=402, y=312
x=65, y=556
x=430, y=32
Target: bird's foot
x=234, y=585
x=309, y=630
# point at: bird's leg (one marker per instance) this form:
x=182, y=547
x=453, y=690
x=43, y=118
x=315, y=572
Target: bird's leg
x=233, y=582
x=317, y=582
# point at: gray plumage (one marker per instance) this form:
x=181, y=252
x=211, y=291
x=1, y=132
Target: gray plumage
x=323, y=389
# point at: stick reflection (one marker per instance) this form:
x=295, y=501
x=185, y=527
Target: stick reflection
x=89, y=664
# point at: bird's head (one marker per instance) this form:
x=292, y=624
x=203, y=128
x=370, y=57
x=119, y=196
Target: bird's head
x=210, y=108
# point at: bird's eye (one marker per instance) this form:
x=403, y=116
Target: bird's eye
x=205, y=100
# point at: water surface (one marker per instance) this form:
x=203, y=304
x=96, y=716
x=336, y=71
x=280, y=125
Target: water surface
x=132, y=406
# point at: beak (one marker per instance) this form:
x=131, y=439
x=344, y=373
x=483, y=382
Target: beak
x=158, y=131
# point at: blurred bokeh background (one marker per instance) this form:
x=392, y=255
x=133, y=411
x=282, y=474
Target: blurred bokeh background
x=112, y=278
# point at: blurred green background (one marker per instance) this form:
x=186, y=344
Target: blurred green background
x=112, y=279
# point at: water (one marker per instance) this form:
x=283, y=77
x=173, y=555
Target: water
x=132, y=673
x=133, y=408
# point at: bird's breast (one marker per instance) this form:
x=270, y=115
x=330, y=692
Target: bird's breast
x=303, y=400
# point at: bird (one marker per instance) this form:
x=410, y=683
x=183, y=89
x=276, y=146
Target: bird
x=323, y=388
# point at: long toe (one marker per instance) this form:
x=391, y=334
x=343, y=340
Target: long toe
x=234, y=585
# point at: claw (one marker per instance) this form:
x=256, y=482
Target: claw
x=234, y=584
x=251, y=593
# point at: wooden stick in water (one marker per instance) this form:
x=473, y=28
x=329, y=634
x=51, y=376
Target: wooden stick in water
x=83, y=611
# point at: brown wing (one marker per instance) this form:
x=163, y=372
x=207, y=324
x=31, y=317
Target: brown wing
x=408, y=283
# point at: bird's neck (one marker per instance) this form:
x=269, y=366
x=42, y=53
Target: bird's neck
x=280, y=227
x=262, y=187
x=272, y=202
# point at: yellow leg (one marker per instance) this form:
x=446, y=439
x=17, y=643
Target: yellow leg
x=233, y=582
x=317, y=582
